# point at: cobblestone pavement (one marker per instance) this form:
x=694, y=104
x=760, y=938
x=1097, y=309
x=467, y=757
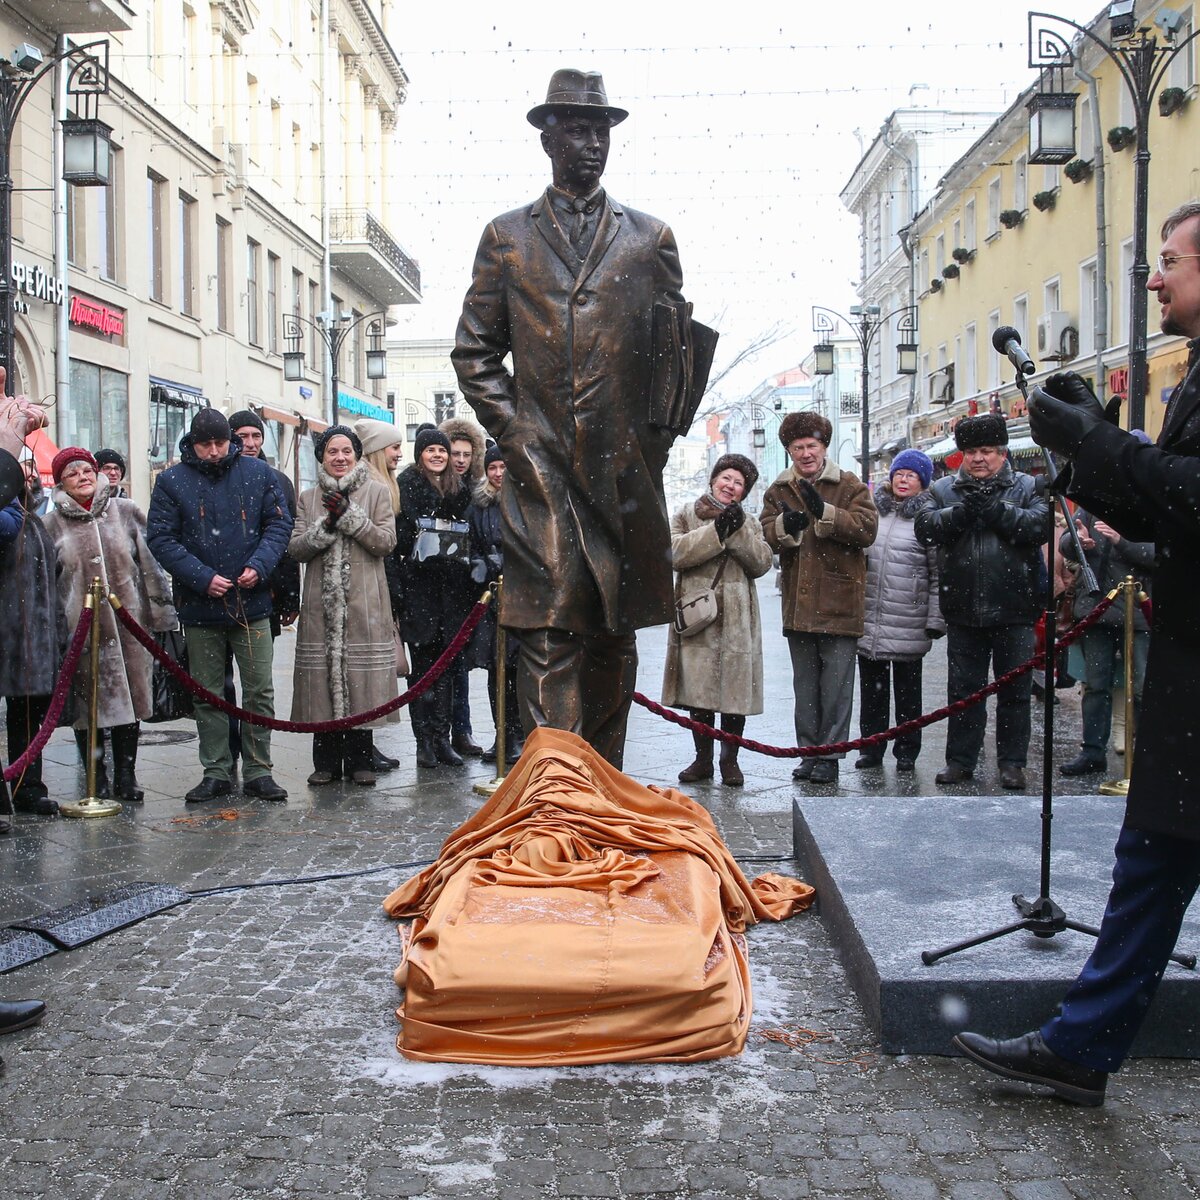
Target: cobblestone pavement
x=242, y=1045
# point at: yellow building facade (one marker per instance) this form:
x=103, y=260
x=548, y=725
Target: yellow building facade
x=1048, y=250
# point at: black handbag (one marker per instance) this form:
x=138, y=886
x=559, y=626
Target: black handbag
x=172, y=701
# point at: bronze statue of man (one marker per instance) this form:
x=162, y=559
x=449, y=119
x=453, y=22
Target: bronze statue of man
x=585, y=294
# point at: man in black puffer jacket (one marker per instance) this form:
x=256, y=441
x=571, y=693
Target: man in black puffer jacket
x=219, y=525
x=988, y=522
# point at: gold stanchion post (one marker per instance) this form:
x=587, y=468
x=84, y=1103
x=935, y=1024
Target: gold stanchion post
x=92, y=805
x=487, y=787
x=1120, y=787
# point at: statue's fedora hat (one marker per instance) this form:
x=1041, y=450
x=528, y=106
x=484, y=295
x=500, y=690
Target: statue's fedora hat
x=575, y=91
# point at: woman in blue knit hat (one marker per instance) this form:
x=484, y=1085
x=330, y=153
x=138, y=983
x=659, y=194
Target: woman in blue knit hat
x=902, y=615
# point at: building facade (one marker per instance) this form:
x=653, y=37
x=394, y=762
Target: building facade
x=894, y=180
x=250, y=198
x=1048, y=250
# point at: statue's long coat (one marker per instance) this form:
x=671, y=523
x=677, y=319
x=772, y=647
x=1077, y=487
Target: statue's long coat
x=586, y=541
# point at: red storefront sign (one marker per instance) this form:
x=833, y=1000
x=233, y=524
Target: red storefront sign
x=1118, y=381
x=91, y=314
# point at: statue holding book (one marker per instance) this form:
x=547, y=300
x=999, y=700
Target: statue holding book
x=608, y=369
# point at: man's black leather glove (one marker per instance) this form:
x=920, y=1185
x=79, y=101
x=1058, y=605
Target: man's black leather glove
x=812, y=499
x=729, y=520
x=992, y=511
x=957, y=517
x=795, y=522
x=975, y=501
x=1064, y=411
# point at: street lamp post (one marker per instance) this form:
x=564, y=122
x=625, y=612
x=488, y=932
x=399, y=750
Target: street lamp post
x=87, y=147
x=333, y=329
x=1142, y=61
x=869, y=323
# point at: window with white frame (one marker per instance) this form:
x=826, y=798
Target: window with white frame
x=924, y=280
x=1021, y=318
x=1087, y=139
x=1021, y=184
x=993, y=206
x=993, y=360
x=1087, y=307
x=969, y=224
x=1124, y=284
x=967, y=369
x=1183, y=68
x=957, y=238
x=1050, y=177
x=939, y=253
x=1051, y=295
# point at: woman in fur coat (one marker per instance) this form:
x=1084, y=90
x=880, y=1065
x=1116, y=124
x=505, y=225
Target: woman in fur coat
x=31, y=615
x=97, y=533
x=901, y=613
x=720, y=668
x=436, y=587
x=345, y=651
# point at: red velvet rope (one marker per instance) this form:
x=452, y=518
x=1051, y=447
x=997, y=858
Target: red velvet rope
x=879, y=739
x=1147, y=609
x=58, y=700
x=417, y=690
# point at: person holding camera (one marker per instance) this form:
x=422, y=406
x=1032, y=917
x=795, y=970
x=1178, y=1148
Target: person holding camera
x=433, y=552
x=988, y=523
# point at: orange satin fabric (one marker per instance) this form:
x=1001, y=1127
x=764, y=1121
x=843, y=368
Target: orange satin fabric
x=580, y=917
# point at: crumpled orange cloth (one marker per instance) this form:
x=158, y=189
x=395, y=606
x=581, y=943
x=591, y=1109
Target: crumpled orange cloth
x=581, y=917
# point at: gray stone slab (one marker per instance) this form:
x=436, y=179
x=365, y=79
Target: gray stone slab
x=896, y=876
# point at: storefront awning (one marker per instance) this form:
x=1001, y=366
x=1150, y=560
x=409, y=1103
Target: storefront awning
x=277, y=414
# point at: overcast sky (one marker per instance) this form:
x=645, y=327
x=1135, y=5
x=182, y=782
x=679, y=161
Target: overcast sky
x=746, y=121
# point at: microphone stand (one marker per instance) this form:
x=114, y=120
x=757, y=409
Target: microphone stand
x=1040, y=915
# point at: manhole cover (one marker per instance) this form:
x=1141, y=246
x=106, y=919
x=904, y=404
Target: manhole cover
x=165, y=737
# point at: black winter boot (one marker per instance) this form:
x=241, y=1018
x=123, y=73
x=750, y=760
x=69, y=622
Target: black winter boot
x=81, y=740
x=124, y=752
x=701, y=767
x=731, y=773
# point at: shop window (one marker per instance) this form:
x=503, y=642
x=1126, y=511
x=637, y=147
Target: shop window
x=171, y=413
x=100, y=398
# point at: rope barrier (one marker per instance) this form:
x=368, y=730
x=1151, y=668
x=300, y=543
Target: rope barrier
x=879, y=739
x=58, y=700
x=451, y=652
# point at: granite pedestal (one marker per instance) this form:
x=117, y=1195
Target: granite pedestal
x=896, y=876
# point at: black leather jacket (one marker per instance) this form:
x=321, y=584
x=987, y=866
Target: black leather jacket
x=987, y=561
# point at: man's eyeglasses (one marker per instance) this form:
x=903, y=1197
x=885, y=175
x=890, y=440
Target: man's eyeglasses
x=1167, y=261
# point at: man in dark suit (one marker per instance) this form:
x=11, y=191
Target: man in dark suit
x=1152, y=494
x=568, y=285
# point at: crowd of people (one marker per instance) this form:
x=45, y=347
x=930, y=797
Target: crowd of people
x=871, y=579
x=394, y=558
x=392, y=561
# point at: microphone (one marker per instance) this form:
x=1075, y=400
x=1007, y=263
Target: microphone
x=1006, y=340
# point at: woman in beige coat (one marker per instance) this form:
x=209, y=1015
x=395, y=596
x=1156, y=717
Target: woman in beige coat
x=345, y=650
x=719, y=669
x=100, y=534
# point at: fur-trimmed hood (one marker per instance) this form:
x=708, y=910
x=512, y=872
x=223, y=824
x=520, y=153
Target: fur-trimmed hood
x=484, y=495
x=463, y=428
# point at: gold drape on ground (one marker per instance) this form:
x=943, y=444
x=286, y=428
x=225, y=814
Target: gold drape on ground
x=580, y=917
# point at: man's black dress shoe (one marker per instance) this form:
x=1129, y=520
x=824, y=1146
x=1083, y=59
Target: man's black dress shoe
x=444, y=752
x=805, y=769
x=825, y=770
x=264, y=788
x=1029, y=1059
x=20, y=1014
x=1012, y=778
x=209, y=788
x=1084, y=764
x=953, y=773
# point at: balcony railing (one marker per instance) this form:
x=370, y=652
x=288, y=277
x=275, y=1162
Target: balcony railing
x=349, y=225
